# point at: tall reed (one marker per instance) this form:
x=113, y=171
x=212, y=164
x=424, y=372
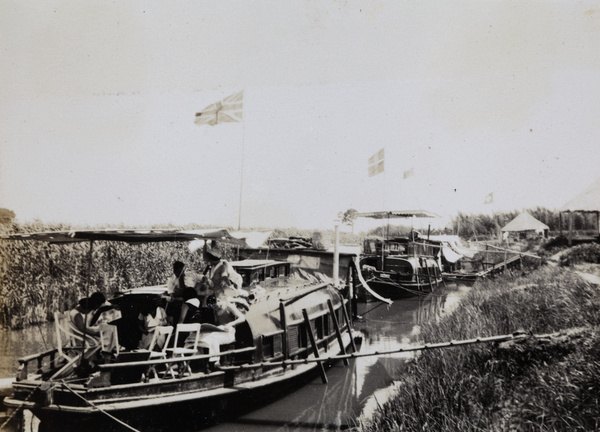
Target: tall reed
x=552, y=384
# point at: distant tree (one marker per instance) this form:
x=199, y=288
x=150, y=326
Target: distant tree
x=6, y=216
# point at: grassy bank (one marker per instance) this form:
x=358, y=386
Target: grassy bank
x=550, y=383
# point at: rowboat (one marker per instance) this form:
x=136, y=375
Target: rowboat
x=292, y=324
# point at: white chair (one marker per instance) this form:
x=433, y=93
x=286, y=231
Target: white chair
x=166, y=332
x=189, y=349
x=109, y=338
x=66, y=340
x=70, y=344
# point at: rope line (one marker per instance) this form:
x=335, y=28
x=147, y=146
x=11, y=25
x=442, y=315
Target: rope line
x=14, y=413
x=99, y=409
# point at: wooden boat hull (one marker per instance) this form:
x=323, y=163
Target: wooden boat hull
x=180, y=404
x=401, y=277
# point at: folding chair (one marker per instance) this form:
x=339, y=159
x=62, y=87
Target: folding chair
x=69, y=344
x=109, y=339
x=66, y=340
x=167, y=332
x=190, y=348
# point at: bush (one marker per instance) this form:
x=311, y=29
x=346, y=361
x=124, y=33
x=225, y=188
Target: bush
x=584, y=253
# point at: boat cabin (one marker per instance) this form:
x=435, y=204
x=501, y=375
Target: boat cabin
x=266, y=273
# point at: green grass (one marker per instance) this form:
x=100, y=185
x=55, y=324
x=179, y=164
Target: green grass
x=534, y=384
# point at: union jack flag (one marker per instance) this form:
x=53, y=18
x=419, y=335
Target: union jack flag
x=228, y=110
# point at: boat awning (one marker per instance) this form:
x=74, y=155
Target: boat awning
x=450, y=255
x=398, y=214
x=237, y=238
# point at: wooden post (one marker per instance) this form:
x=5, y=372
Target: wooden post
x=284, y=340
x=560, y=223
x=570, y=228
x=347, y=320
x=336, y=256
x=315, y=348
x=429, y=277
x=338, y=332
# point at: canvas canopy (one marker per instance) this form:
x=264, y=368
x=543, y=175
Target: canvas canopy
x=587, y=201
x=525, y=222
x=237, y=238
x=394, y=214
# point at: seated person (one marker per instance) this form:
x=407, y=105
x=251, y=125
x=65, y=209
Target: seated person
x=80, y=315
x=151, y=316
x=227, y=316
x=181, y=279
x=106, y=313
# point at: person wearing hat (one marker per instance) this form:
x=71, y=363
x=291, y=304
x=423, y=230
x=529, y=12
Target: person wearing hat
x=220, y=275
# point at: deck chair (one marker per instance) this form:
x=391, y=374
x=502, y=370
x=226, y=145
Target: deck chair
x=190, y=348
x=66, y=340
x=69, y=344
x=109, y=339
x=167, y=332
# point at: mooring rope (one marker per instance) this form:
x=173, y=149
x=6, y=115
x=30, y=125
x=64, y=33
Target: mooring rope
x=14, y=413
x=99, y=409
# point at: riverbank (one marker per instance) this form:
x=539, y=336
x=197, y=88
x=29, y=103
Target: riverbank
x=547, y=381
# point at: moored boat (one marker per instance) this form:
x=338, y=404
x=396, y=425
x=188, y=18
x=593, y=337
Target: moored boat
x=400, y=267
x=290, y=324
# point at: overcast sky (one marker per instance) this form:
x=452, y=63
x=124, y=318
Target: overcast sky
x=98, y=102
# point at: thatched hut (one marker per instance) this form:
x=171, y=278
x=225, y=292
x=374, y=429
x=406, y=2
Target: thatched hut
x=525, y=224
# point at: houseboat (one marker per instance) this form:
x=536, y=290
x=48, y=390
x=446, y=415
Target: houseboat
x=395, y=267
x=400, y=267
x=292, y=324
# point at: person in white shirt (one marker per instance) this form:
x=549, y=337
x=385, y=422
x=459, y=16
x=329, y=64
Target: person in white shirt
x=181, y=279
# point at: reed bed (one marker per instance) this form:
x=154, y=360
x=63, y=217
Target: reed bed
x=38, y=279
x=546, y=384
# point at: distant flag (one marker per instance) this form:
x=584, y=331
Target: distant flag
x=376, y=163
x=489, y=198
x=228, y=110
x=408, y=173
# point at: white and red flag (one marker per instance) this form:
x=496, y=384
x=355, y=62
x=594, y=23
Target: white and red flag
x=376, y=163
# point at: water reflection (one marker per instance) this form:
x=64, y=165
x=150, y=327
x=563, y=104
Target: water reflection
x=15, y=344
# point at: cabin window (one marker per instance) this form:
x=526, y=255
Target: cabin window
x=293, y=338
x=282, y=271
x=320, y=327
x=272, y=345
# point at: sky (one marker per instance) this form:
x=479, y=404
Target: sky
x=474, y=97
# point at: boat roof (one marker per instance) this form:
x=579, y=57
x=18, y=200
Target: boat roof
x=253, y=264
x=148, y=290
x=395, y=214
x=238, y=238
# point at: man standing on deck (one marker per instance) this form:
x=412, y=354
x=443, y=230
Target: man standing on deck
x=176, y=285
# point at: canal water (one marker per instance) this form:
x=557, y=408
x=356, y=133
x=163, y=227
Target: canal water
x=352, y=392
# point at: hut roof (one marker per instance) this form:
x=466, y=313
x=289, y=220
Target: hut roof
x=525, y=222
x=587, y=201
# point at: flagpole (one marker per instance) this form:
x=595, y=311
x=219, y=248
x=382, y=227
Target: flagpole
x=242, y=175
